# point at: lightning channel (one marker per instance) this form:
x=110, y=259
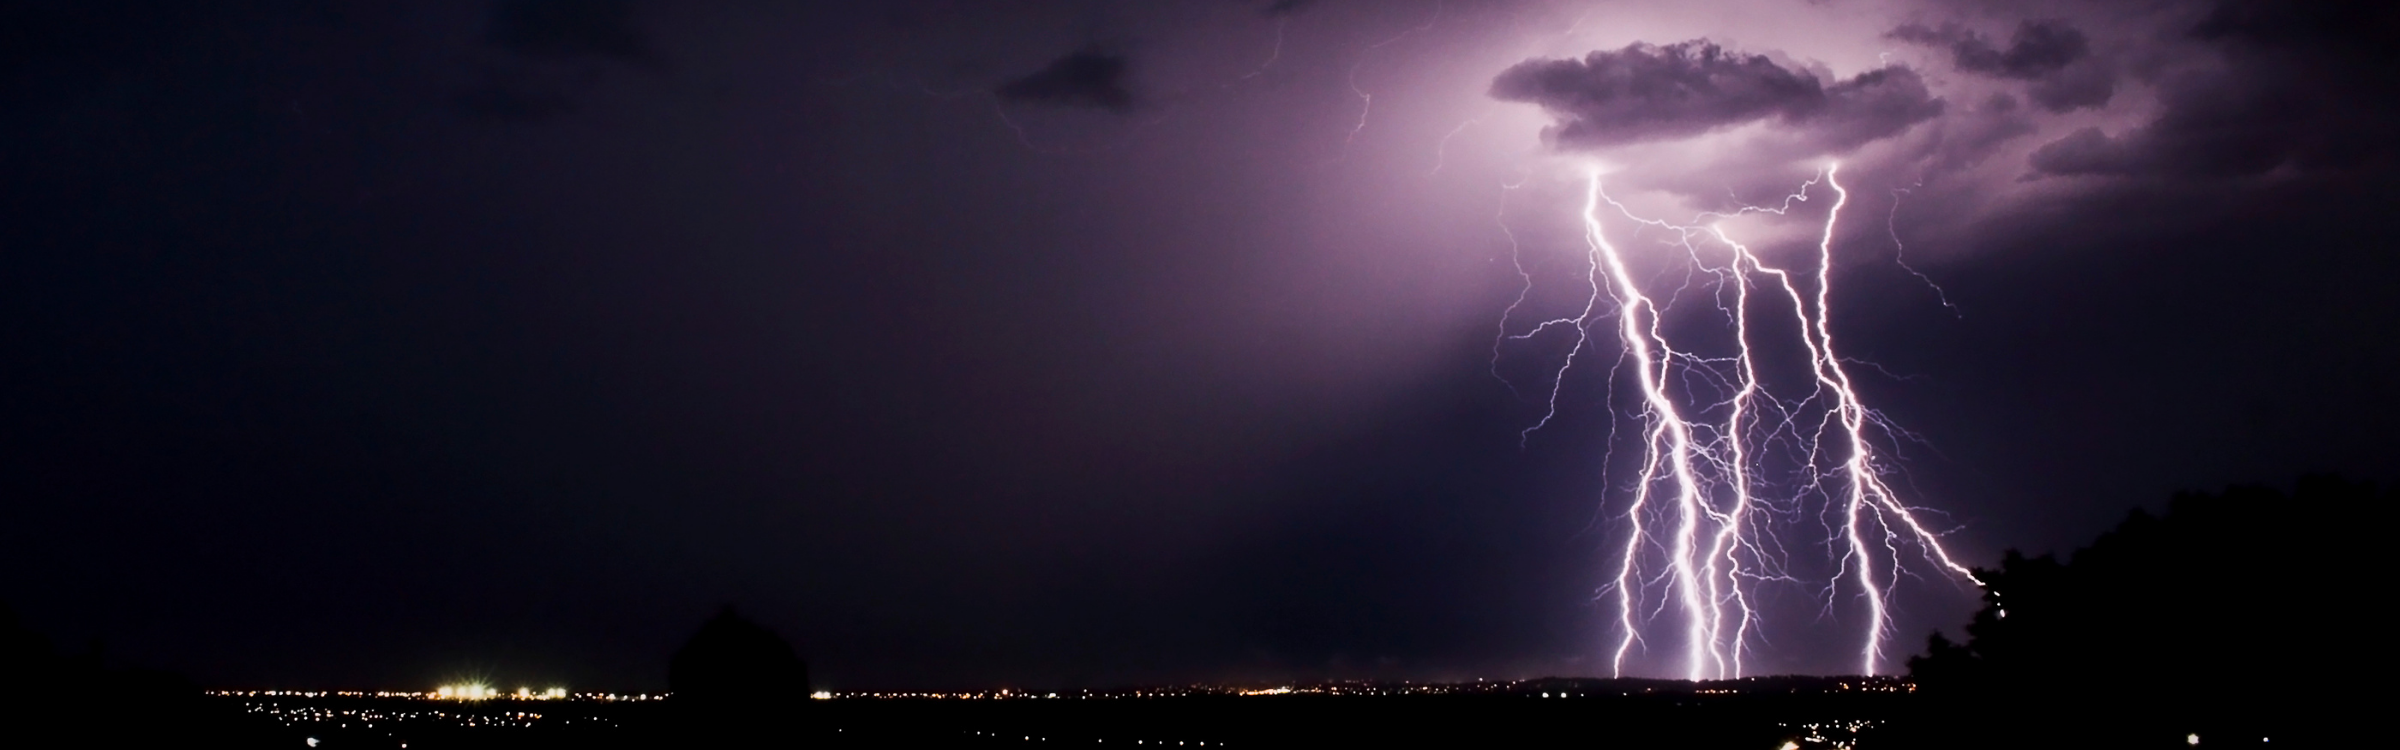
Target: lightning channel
x=1702, y=515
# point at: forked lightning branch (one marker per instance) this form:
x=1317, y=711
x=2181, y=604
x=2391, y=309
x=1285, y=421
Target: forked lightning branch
x=1734, y=466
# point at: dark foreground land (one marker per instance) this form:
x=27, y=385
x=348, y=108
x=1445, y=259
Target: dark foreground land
x=1763, y=714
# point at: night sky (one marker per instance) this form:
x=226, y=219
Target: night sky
x=980, y=344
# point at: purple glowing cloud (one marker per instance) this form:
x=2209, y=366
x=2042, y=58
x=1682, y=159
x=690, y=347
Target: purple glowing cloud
x=1647, y=92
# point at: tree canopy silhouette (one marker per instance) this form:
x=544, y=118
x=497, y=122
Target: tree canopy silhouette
x=734, y=660
x=736, y=683
x=2242, y=607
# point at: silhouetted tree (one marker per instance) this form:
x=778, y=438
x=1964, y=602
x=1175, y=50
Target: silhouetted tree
x=737, y=683
x=2240, y=613
x=734, y=659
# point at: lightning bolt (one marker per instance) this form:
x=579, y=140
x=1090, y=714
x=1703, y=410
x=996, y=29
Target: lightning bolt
x=1701, y=517
x=1366, y=99
x=1441, y=150
x=1272, y=54
x=1891, y=225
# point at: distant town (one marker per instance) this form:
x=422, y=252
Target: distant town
x=1194, y=715
x=1551, y=687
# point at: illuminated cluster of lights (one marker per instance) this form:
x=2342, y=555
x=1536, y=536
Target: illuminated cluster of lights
x=1362, y=689
x=1142, y=743
x=1184, y=691
x=1544, y=688
x=472, y=692
x=371, y=718
x=462, y=692
x=396, y=715
x=1837, y=735
x=465, y=692
x=1359, y=688
x=1701, y=515
x=989, y=695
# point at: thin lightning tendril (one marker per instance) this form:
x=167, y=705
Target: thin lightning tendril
x=1441, y=150
x=1516, y=260
x=1272, y=54
x=1699, y=521
x=1366, y=99
x=1891, y=225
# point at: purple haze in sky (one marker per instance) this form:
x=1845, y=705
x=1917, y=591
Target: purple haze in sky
x=1075, y=343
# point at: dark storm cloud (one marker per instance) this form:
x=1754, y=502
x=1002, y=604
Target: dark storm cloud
x=2304, y=86
x=1967, y=141
x=1647, y=92
x=2055, y=57
x=1873, y=105
x=2230, y=126
x=568, y=28
x=2350, y=28
x=1281, y=8
x=2038, y=49
x=1087, y=78
x=550, y=46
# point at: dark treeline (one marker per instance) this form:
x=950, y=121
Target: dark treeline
x=2236, y=616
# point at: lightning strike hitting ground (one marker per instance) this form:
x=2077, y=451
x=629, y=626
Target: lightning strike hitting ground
x=1702, y=523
